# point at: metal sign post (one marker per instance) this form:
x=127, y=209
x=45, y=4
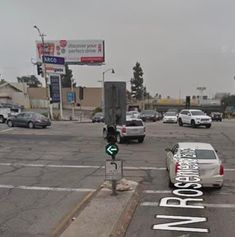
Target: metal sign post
x=115, y=114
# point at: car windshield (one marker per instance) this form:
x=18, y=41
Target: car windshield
x=170, y=114
x=38, y=116
x=197, y=112
x=99, y=114
x=151, y=112
x=134, y=123
x=205, y=154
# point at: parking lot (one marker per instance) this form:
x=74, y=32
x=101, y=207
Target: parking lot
x=46, y=173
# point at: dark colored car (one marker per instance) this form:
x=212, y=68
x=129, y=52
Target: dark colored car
x=28, y=119
x=98, y=117
x=216, y=116
x=149, y=115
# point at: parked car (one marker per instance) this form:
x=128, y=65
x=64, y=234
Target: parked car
x=170, y=117
x=216, y=116
x=133, y=114
x=4, y=114
x=149, y=115
x=28, y=119
x=98, y=117
x=188, y=157
x=194, y=118
x=134, y=129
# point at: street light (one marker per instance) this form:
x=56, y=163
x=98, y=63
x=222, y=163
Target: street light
x=112, y=71
x=44, y=69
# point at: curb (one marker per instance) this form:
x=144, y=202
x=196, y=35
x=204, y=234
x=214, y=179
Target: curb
x=67, y=219
x=111, y=215
x=124, y=220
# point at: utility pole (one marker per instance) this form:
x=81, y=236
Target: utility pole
x=44, y=75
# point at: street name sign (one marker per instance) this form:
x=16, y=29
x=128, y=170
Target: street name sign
x=111, y=149
x=113, y=169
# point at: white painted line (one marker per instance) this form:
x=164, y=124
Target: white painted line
x=210, y=205
x=156, y=191
x=170, y=191
x=86, y=166
x=48, y=188
x=6, y=130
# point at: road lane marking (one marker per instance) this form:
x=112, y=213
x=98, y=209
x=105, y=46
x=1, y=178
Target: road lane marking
x=209, y=205
x=170, y=191
x=48, y=188
x=6, y=130
x=156, y=191
x=87, y=166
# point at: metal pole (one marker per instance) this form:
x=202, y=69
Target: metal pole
x=114, y=100
x=61, y=99
x=103, y=93
x=44, y=72
x=72, y=100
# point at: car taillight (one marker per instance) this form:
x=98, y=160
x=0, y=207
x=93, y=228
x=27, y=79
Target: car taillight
x=123, y=129
x=177, y=167
x=221, y=170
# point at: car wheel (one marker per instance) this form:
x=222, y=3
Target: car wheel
x=2, y=120
x=170, y=184
x=30, y=125
x=10, y=124
x=208, y=125
x=180, y=123
x=193, y=124
x=140, y=140
x=120, y=140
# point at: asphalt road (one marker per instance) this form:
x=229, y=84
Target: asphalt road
x=45, y=173
x=218, y=215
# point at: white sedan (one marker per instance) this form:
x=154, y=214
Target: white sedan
x=194, y=163
x=170, y=117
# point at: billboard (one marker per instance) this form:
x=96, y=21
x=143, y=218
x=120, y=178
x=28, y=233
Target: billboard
x=73, y=51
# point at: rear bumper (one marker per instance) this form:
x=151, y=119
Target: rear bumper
x=214, y=181
x=133, y=137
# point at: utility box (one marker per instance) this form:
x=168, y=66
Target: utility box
x=115, y=103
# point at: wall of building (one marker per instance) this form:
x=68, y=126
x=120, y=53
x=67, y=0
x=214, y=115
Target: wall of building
x=91, y=97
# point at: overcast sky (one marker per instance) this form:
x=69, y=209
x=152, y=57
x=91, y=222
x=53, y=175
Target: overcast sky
x=180, y=44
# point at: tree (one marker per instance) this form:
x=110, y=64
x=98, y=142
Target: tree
x=228, y=100
x=31, y=81
x=66, y=79
x=137, y=88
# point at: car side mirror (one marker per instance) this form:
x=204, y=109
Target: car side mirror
x=168, y=149
x=216, y=151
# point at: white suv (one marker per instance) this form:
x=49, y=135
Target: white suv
x=133, y=130
x=194, y=118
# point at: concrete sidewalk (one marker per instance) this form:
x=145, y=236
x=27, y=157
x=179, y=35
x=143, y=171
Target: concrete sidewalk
x=105, y=215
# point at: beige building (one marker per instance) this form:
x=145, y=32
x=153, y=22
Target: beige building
x=91, y=97
x=14, y=93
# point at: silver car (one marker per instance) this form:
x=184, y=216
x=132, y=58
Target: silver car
x=195, y=162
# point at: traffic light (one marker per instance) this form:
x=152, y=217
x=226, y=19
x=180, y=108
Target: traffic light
x=81, y=93
x=39, y=69
x=187, y=104
x=111, y=134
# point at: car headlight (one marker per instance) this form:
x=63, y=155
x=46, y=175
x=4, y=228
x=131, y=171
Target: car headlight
x=198, y=119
